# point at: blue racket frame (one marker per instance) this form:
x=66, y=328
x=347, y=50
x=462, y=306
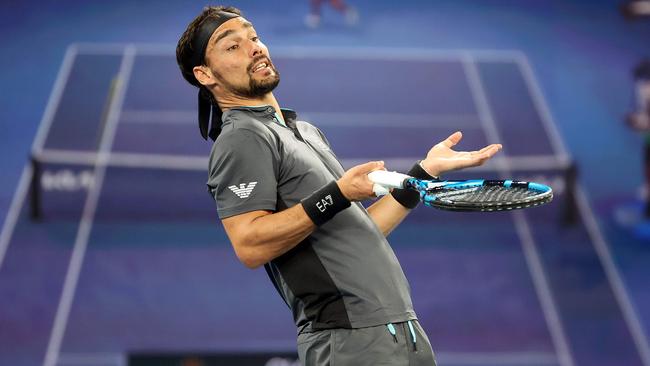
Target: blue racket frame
x=432, y=194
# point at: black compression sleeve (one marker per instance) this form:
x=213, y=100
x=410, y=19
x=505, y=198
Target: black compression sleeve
x=407, y=197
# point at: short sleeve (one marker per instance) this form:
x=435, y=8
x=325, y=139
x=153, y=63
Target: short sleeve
x=243, y=173
x=322, y=136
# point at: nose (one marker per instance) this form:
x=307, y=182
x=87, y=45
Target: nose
x=255, y=49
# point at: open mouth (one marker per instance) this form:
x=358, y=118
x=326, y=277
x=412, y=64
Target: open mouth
x=263, y=65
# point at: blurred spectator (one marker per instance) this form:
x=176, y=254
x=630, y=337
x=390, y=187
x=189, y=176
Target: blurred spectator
x=640, y=119
x=313, y=19
x=636, y=9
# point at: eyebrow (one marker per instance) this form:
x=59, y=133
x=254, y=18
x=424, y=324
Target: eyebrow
x=230, y=31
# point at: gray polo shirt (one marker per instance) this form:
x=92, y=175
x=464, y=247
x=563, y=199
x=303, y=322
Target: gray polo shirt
x=345, y=274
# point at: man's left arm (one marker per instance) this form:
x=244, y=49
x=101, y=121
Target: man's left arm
x=387, y=212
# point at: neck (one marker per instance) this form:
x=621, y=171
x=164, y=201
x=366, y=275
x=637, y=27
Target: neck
x=231, y=101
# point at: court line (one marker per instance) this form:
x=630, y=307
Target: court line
x=14, y=210
x=57, y=93
x=614, y=277
x=529, y=247
x=129, y=160
x=116, y=48
x=540, y=104
x=20, y=194
x=90, y=206
x=525, y=163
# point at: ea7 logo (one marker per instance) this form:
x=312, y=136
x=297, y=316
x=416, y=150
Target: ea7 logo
x=322, y=205
x=244, y=190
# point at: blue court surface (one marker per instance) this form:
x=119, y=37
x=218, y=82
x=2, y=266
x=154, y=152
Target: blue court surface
x=128, y=255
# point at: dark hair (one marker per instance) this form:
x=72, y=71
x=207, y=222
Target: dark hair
x=184, y=46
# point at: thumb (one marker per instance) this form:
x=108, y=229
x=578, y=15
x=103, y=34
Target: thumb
x=370, y=166
x=453, y=139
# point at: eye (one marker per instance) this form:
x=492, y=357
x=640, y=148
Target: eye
x=255, y=39
x=233, y=47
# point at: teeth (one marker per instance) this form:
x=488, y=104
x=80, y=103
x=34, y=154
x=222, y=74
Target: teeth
x=260, y=66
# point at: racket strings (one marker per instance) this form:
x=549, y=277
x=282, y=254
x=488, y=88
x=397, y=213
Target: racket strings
x=484, y=194
x=478, y=195
x=499, y=194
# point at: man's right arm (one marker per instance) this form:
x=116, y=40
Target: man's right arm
x=261, y=236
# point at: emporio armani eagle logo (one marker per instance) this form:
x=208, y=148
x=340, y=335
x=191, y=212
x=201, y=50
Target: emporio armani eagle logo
x=244, y=190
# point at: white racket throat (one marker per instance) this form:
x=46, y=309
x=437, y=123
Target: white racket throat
x=384, y=181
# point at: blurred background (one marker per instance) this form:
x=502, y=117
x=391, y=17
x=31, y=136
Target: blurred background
x=111, y=252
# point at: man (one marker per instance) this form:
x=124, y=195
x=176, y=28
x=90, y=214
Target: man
x=286, y=203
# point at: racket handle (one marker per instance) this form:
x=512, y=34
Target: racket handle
x=380, y=190
x=385, y=180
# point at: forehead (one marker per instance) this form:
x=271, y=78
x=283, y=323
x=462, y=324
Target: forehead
x=229, y=27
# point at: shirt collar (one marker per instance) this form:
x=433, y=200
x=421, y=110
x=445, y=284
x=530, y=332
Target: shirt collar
x=265, y=111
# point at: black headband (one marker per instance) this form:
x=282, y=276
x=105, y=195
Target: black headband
x=208, y=108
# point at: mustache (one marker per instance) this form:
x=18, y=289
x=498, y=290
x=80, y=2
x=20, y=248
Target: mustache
x=258, y=59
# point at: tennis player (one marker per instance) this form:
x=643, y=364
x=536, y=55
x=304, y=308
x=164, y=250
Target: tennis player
x=287, y=204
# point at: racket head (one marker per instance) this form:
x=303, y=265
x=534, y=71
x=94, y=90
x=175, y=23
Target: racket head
x=481, y=195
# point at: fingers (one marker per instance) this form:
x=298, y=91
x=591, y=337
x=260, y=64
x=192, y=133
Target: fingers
x=453, y=139
x=441, y=158
x=476, y=158
x=355, y=184
x=368, y=167
x=494, y=149
x=487, y=151
x=490, y=147
x=379, y=166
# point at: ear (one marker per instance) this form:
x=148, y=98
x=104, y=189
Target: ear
x=204, y=75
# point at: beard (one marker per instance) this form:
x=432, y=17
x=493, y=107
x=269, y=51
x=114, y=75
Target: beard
x=255, y=88
x=259, y=88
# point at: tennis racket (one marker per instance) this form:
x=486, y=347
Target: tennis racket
x=466, y=195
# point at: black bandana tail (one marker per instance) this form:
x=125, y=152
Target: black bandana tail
x=209, y=117
x=209, y=110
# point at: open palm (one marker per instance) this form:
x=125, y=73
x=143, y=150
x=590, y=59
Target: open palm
x=442, y=158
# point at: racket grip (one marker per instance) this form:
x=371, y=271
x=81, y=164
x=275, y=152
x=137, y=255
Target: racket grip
x=380, y=190
x=384, y=181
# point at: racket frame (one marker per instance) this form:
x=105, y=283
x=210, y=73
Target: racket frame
x=428, y=189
